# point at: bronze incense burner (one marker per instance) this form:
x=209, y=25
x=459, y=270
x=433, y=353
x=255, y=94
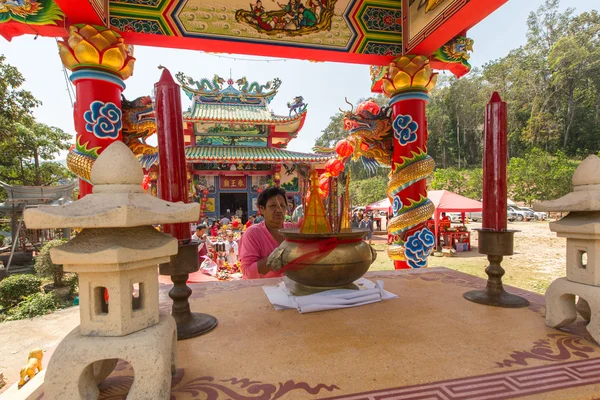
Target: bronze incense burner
x=321, y=261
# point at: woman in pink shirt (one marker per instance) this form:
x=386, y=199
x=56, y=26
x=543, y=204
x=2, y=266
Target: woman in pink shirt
x=259, y=240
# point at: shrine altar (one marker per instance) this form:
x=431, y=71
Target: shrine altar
x=430, y=343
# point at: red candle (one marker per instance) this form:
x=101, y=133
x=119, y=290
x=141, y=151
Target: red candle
x=494, y=165
x=172, y=183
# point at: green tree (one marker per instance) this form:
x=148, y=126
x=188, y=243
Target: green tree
x=540, y=176
x=367, y=191
x=16, y=103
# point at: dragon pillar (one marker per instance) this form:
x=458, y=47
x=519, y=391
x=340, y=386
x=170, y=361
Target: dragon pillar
x=100, y=62
x=407, y=84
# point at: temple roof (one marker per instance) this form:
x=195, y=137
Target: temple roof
x=202, y=112
x=211, y=154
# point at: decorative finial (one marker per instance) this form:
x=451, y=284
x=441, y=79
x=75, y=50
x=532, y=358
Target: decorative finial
x=117, y=166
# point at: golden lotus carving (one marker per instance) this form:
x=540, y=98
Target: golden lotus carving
x=409, y=73
x=90, y=46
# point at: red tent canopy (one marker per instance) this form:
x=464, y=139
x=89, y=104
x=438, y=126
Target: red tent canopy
x=446, y=201
x=381, y=205
x=443, y=200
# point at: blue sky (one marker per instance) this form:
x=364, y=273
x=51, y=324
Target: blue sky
x=323, y=85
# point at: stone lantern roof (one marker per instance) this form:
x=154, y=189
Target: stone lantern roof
x=586, y=190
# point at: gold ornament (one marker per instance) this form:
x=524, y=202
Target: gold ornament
x=396, y=252
x=80, y=165
x=33, y=367
x=410, y=219
x=90, y=46
x=409, y=74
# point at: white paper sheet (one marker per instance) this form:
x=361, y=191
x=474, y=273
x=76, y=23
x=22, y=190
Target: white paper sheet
x=369, y=292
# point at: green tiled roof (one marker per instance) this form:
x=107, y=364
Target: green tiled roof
x=249, y=154
x=235, y=113
x=206, y=154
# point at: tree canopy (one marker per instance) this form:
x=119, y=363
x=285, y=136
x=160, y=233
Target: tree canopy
x=552, y=87
x=27, y=147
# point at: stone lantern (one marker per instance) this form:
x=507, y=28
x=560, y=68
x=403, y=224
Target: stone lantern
x=116, y=256
x=581, y=227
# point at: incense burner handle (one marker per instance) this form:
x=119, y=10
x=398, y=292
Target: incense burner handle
x=275, y=260
x=373, y=254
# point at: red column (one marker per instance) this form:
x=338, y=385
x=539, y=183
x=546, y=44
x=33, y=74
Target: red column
x=408, y=83
x=97, y=113
x=172, y=176
x=494, y=165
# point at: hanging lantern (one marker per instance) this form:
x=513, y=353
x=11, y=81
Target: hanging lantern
x=204, y=199
x=334, y=167
x=368, y=105
x=259, y=190
x=277, y=176
x=202, y=213
x=344, y=148
x=203, y=206
x=205, y=191
x=146, y=182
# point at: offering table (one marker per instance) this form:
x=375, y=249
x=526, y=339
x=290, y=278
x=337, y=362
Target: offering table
x=428, y=341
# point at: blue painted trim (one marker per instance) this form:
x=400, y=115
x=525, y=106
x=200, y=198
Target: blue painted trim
x=97, y=75
x=409, y=96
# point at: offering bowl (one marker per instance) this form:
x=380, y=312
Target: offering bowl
x=322, y=261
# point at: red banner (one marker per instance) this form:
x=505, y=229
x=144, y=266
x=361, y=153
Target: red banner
x=233, y=182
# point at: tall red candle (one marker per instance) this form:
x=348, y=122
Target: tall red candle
x=494, y=165
x=172, y=181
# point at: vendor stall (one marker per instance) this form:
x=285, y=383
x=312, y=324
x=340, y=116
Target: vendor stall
x=446, y=202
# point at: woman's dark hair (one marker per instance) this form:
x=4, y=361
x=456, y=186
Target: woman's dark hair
x=214, y=223
x=200, y=227
x=268, y=193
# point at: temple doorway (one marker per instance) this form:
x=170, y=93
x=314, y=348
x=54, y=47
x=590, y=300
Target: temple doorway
x=229, y=203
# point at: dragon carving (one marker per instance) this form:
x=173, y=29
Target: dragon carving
x=213, y=86
x=139, y=124
x=456, y=51
x=297, y=105
x=255, y=88
x=370, y=132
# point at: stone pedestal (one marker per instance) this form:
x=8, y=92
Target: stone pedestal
x=116, y=256
x=581, y=227
x=152, y=352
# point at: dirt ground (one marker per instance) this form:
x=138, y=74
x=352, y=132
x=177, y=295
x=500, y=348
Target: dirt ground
x=539, y=257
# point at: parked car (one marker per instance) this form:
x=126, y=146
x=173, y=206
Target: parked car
x=474, y=216
x=522, y=214
x=454, y=217
x=538, y=215
x=477, y=216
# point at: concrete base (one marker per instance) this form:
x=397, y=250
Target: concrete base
x=561, y=309
x=74, y=372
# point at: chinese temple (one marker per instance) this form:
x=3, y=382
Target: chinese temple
x=236, y=145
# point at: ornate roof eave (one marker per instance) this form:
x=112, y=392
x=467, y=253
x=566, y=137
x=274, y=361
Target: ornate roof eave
x=276, y=120
x=239, y=154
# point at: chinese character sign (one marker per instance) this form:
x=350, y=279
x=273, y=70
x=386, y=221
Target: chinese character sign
x=233, y=182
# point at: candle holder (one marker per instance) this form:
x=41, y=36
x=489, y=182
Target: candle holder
x=189, y=324
x=496, y=245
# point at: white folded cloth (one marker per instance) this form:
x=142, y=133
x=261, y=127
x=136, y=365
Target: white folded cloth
x=368, y=293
